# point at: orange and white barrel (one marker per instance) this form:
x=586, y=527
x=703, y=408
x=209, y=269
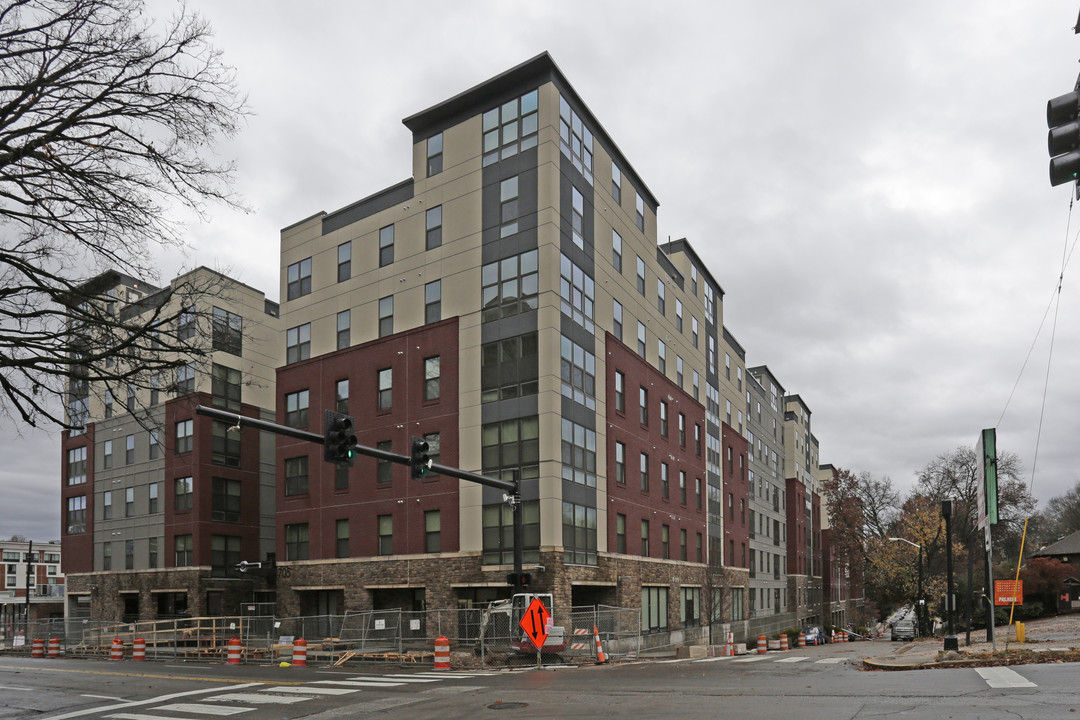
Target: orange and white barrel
x=38, y=648
x=783, y=643
x=117, y=652
x=54, y=647
x=234, y=651
x=762, y=644
x=802, y=639
x=442, y=653
x=299, y=652
x=138, y=649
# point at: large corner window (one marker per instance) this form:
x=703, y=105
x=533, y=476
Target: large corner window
x=510, y=128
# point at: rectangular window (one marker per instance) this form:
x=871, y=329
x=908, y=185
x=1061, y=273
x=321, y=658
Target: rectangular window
x=678, y=314
x=184, y=436
x=639, y=211
x=508, y=207
x=641, y=337
x=152, y=551
x=386, y=534
x=690, y=608
x=155, y=445
x=384, y=469
x=76, y=466
x=225, y=500
x=130, y=398
x=510, y=128
x=679, y=370
x=228, y=331
x=664, y=480
x=682, y=430
x=386, y=389
x=644, y=464
x=661, y=296
x=298, y=279
x=386, y=316
x=341, y=478
x=682, y=488
x=298, y=343
x=616, y=184
x=341, y=396
x=106, y=556
x=432, y=377
x=434, y=154
x=578, y=293
x=509, y=368
x=129, y=502
x=576, y=142
x=341, y=547
x=296, y=408
x=616, y=251
x=183, y=493
x=184, y=547
x=296, y=475
x=578, y=373
x=620, y=463
x=154, y=504
x=433, y=228
x=510, y=286
x=665, y=542
x=644, y=538
x=344, y=323
x=617, y=320
x=620, y=533
x=107, y=454
x=697, y=493
x=344, y=261
x=579, y=534
x=106, y=513
x=663, y=418
x=76, y=515
x=185, y=324
x=643, y=406
x=661, y=356
x=433, y=301
x=386, y=245
x=224, y=553
x=432, y=531
x=434, y=447
x=578, y=453
x=620, y=391
x=296, y=542
x=185, y=379
x=693, y=331
x=108, y=404
x=640, y=276
x=225, y=387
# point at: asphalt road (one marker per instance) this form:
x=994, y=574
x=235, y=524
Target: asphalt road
x=811, y=683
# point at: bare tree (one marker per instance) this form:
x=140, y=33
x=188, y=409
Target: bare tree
x=106, y=123
x=880, y=504
x=1062, y=515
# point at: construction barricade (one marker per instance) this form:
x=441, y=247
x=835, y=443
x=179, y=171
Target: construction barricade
x=54, y=647
x=783, y=643
x=762, y=644
x=117, y=651
x=802, y=639
x=442, y=653
x=38, y=648
x=234, y=652
x=138, y=649
x=299, y=652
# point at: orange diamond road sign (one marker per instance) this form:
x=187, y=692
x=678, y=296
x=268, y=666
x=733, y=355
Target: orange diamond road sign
x=535, y=622
x=1008, y=592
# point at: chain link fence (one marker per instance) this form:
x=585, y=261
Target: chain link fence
x=487, y=637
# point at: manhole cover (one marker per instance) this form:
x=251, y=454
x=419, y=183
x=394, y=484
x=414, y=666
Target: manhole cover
x=507, y=706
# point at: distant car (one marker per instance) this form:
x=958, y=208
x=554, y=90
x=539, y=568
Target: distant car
x=903, y=630
x=813, y=635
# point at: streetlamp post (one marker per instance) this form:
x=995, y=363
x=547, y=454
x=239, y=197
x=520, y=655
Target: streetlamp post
x=919, y=602
x=951, y=642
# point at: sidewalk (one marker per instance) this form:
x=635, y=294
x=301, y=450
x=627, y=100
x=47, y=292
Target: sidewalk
x=1046, y=639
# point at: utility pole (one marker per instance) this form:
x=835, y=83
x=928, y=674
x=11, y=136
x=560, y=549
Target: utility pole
x=29, y=575
x=951, y=642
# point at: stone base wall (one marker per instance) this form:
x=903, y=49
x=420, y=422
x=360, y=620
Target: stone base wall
x=107, y=591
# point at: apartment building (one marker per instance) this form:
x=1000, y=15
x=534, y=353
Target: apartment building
x=804, y=512
x=158, y=503
x=33, y=584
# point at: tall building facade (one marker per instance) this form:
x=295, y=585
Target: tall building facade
x=33, y=584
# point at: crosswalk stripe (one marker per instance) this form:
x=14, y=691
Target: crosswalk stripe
x=443, y=675
x=144, y=716
x=1003, y=677
x=397, y=678
x=830, y=661
x=793, y=659
x=358, y=683
x=756, y=658
x=715, y=659
x=204, y=708
x=300, y=690
x=259, y=699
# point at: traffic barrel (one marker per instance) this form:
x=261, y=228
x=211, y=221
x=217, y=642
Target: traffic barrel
x=138, y=649
x=299, y=652
x=54, y=647
x=442, y=653
x=117, y=652
x=762, y=644
x=802, y=639
x=783, y=643
x=38, y=648
x=234, y=651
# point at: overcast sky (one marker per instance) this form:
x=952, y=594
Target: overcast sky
x=866, y=180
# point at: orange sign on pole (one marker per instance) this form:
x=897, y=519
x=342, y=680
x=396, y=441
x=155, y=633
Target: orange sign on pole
x=535, y=622
x=1008, y=592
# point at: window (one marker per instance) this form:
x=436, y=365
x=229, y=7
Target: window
x=130, y=405
x=579, y=534
x=665, y=542
x=510, y=128
x=76, y=515
x=679, y=370
x=183, y=493
x=434, y=448
x=641, y=339
x=386, y=389
x=620, y=463
x=509, y=368
x=616, y=320
x=296, y=408
x=694, y=330
x=678, y=314
x=108, y=404
x=107, y=454
x=620, y=533
x=433, y=228
x=498, y=533
x=643, y=406
x=682, y=488
x=663, y=418
x=386, y=534
x=616, y=251
x=386, y=316
x=578, y=453
x=344, y=320
x=76, y=466
x=682, y=430
x=620, y=391
x=341, y=478
x=298, y=343
x=640, y=276
x=185, y=379
x=184, y=436
x=639, y=211
x=698, y=550
x=184, y=548
x=661, y=296
x=129, y=502
x=225, y=387
x=508, y=206
x=225, y=500
x=341, y=396
x=299, y=279
x=434, y=154
x=106, y=512
x=664, y=489
x=386, y=245
x=341, y=534
x=644, y=472
x=576, y=142
x=155, y=445
x=185, y=324
x=296, y=475
x=106, y=556
x=154, y=504
x=690, y=608
x=152, y=552
x=432, y=531
x=577, y=217
x=616, y=184
x=509, y=286
x=578, y=293
x=344, y=261
x=578, y=373
x=296, y=541
x=697, y=493
x=227, y=332
x=432, y=376
x=433, y=301
x=384, y=469
x=224, y=553
x=644, y=538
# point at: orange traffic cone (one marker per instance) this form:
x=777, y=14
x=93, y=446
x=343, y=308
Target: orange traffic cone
x=600, y=659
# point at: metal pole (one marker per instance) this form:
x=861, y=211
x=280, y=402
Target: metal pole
x=519, y=537
x=951, y=642
x=29, y=558
x=920, y=611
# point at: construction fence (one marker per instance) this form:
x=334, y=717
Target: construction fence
x=477, y=637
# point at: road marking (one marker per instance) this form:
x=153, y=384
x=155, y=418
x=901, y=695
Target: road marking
x=205, y=708
x=793, y=659
x=395, y=678
x=143, y=716
x=1003, y=677
x=12, y=687
x=830, y=661
x=311, y=690
x=258, y=699
x=714, y=659
x=151, y=701
x=756, y=658
x=444, y=675
x=358, y=683
x=106, y=697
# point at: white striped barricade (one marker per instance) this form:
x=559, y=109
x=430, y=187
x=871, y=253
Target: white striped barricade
x=117, y=650
x=442, y=653
x=235, y=651
x=299, y=653
x=580, y=644
x=138, y=649
x=37, y=650
x=802, y=639
x=762, y=645
x=784, y=643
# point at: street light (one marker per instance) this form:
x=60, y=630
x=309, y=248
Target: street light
x=920, y=603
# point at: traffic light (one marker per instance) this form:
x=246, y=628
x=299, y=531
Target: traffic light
x=419, y=460
x=526, y=579
x=339, y=442
x=1063, y=140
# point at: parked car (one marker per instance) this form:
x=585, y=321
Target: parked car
x=814, y=635
x=903, y=630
